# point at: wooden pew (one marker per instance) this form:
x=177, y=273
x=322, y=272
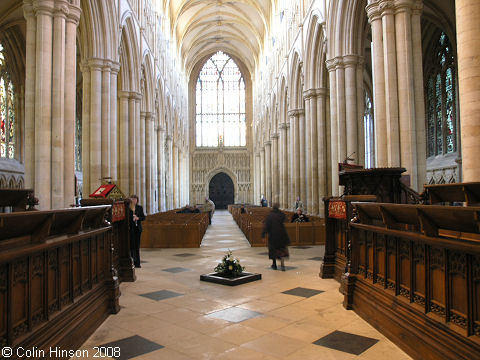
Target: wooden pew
x=172, y=230
x=252, y=222
x=413, y=272
x=57, y=279
x=469, y=193
x=13, y=200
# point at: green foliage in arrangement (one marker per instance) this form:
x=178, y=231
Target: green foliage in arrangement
x=230, y=266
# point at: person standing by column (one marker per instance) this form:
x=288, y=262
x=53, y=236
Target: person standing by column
x=298, y=204
x=209, y=207
x=136, y=218
x=278, y=240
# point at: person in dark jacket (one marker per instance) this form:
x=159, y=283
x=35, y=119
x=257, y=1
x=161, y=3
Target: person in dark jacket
x=299, y=216
x=278, y=240
x=136, y=217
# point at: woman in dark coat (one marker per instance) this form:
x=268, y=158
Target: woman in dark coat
x=278, y=240
x=136, y=218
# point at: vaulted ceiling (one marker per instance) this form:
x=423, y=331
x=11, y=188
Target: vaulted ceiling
x=236, y=27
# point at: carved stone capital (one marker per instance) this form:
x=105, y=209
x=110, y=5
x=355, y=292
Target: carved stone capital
x=335, y=63
x=283, y=126
x=274, y=136
x=352, y=60
x=296, y=112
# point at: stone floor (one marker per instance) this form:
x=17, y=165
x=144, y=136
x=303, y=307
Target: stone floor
x=168, y=313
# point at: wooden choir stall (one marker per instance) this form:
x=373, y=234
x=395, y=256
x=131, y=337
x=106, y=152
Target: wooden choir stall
x=409, y=264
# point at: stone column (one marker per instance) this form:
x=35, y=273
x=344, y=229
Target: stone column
x=291, y=161
x=176, y=177
x=468, y=37
x=322, y=147
x=148, y=162
x=114, y=149
x=352, y=128
x=139, y=144
x=275, y=170
x=268, y=172
x=161, y=167
x=331, y=66
x=419, y=97
x=30, y=86
x=95, y=124
x=391, y=83
x=295, y=160
x=303, y=156
x=307, y=201
x=50, y=100
x=142, y=141
x=105, y=94
x=283, y=166
x=262, y=174
x=58, y=107
x=170, y=172
x=132, y=140
x=86, y=128
x=310, y=97
x=381, y=152
x=73, y=17
x=43, y=104
x=124, y=141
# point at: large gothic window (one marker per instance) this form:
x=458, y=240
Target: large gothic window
x=7, y=110
x=220, y=103
x=440, y=99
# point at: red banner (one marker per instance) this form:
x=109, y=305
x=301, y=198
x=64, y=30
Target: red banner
x=337, y=209
x=118, y=211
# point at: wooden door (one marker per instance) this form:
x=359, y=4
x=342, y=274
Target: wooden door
x=221, y=191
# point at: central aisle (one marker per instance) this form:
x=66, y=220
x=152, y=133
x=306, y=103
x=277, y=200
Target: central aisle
x=168, y=313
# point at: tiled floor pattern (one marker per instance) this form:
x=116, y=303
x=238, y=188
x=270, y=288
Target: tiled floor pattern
x=168, y=313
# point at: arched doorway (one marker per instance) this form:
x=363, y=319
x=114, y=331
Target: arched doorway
x=221, y=190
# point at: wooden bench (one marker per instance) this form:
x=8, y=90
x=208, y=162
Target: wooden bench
x=173, y=230
x=252, y=222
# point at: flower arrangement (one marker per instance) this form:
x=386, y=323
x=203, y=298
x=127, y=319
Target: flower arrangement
x=230, y=266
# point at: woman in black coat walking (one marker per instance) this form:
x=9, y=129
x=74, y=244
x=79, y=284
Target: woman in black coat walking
x=136, y=218
x=278, y=240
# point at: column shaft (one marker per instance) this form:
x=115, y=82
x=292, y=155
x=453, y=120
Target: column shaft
x=381, y=152
x=268, y=165
x=58, y=109
x=43, y=109
x=143, y=176
x=70, y=110
x=123, y=146
x=95, y=126
x=391, y=88
x=113, y=123
x=106, y=121
x=30, y=77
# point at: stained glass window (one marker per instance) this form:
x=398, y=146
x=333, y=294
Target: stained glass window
x=220, y=103
x=440, y=93
x=7, y=110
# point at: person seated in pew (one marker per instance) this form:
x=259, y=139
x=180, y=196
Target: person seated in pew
x=242, y=210
x=186, y=210
x=299, y=217
x=195, y=209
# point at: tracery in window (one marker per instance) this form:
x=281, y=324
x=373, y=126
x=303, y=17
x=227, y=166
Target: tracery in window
x=440, y=99
x=220, y=103
x=7, y=110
